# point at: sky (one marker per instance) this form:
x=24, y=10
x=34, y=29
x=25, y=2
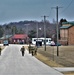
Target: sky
x=21, y=10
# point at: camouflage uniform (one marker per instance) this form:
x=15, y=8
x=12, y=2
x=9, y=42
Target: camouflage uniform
x=0, y=50
x=22, y=50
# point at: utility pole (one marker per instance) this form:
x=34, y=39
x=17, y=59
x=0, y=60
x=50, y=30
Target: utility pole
x=45, y=31
x=57, y=27
x=37, y=31
x=37, y=34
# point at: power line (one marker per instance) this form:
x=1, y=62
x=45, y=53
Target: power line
x=50, y=12
x=68, y=6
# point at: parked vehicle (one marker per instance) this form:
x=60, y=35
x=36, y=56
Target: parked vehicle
x=55, y=44
x=5, y=42
x=41, y=40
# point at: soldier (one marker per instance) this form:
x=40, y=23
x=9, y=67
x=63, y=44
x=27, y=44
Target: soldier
x=32, y=52
x=0, y=50
x=22, y=50
x=36, y=51
x=29, y=47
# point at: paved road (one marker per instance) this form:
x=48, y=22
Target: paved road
x=12, y=63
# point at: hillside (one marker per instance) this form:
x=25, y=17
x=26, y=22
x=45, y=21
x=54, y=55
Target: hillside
x=27, y=26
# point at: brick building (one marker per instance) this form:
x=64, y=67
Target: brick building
x=20, y=38
x=67, y=33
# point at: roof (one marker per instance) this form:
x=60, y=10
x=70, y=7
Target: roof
x=6, y=37
x=19, y=36
x=65, y=27
x=72, y=23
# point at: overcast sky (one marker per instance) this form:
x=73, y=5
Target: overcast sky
x=20, y=10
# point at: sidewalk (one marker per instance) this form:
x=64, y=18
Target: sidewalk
x=64, y=69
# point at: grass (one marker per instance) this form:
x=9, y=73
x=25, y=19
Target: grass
x=68, y=73
x=47, y=61
x=49, y=57
x=2, y=47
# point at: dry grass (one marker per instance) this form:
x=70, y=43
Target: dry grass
x=2, y=47
x=65, y=58
x=47, y=61
x=68, y=73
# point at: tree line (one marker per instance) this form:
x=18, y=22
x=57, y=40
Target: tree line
x=21, y=28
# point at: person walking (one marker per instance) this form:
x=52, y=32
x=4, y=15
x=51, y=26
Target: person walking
x=0, y=50
x=22, y=50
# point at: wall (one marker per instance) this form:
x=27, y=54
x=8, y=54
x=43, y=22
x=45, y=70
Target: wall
x=63, y=36
x=71, y=36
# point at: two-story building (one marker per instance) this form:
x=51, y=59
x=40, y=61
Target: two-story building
x=67, y=33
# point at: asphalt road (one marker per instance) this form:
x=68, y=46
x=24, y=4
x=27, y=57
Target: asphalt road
x=12, y=63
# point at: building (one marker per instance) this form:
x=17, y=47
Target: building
x=6, y=37
x=67, y=33
x=20, y=39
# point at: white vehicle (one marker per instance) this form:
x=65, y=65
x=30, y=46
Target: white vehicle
x=48, y=40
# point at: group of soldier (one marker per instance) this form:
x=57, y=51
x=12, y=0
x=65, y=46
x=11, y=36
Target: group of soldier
x=32, y=50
